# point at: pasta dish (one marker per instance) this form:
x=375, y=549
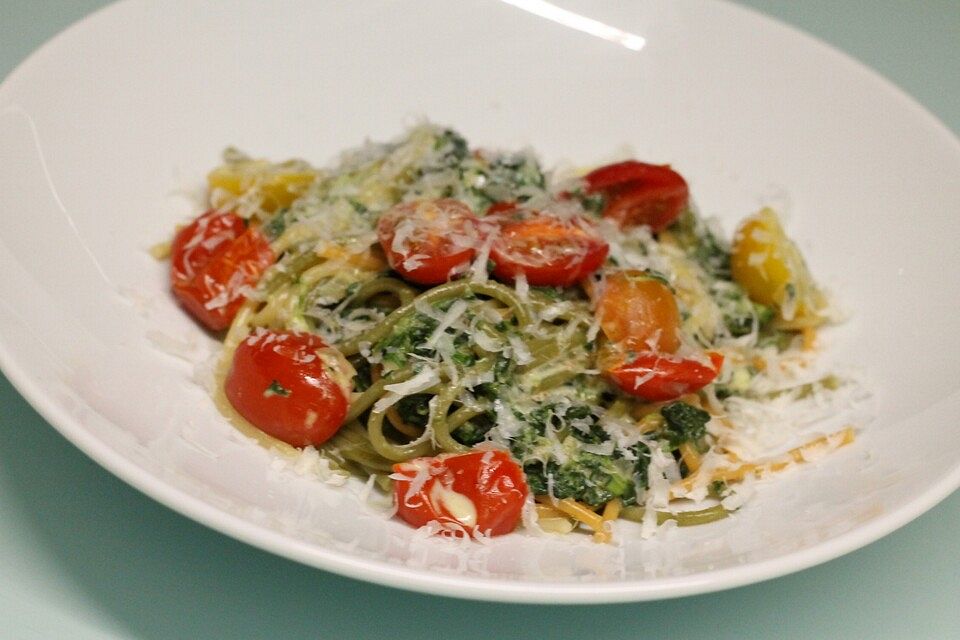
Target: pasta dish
x=495, y=344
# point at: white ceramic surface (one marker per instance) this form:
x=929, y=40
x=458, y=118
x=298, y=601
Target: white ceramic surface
x=108, y=130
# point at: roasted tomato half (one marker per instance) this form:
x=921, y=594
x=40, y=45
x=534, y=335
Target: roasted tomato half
x=658, y=377
x=468, y=493
x=213, y=260
x=290, y=385
x=637, y=193
x=546, y=249
x=429, y=241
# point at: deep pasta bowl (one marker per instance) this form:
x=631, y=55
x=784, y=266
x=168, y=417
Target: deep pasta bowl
x=108, y=130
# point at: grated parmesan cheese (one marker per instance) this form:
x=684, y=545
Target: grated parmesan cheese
x=423, y=380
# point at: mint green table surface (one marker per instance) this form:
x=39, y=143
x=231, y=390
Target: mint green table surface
x=83, y=555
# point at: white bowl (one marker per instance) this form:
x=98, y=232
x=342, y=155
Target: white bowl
x=108, y=130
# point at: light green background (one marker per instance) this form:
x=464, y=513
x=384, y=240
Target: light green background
x=84, y=556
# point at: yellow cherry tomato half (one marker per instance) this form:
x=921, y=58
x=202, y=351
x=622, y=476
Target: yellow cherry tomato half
x=276, y=185
x=769, y=266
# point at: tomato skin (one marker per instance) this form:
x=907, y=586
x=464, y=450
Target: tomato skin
x=546, y=249
x=199, y=241
x=280, y=384
x=657, y=377
x=212, y=260
x=638, y=193
x=220, y=281
x=616, y=175
x=491, y=480
x=501, y=207
x=431, y=256
x=639, y=312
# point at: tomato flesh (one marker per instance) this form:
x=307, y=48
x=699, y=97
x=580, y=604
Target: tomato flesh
x=282, y=384
x=430, y=241
x=212, y=261
x=546, y=249
x=465, y=494
x=658, y=377
x=639, y=312
x=638, y=193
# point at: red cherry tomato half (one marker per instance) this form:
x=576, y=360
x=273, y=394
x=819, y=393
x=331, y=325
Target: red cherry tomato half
x=215, y=293
x=659, y=377
x=429, y=241
x=547, y=249
x=617, y=175
x=637, y=193
x=199, y=241
x=291, y=386
x=477, y=492
x=212, y=261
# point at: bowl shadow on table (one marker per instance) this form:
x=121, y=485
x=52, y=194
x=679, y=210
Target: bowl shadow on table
x=160, y=575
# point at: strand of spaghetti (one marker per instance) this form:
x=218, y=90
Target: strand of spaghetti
x=239, y=329
x=549, y=370
x=797, y=455
x=555, y=345
x=286, y=271
x=547, y=347
x=611, y=511
x=391, y=451
x=369, y=461
x=461, y=415
x=350, y=434
x=690, y=456
x=350, y=466
x=375, y=391
x=439, y=424
x=401, y=425
x=459, y=289
x=325, y=269
x=550, y=376
x=545, y=510
x=551, y=519
x=405, y=293
x=683, y=518
x=352, y=443
x=393, y=414
x=545, y=350
x=561, y=524
x=282, y=310
x=577, y=511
